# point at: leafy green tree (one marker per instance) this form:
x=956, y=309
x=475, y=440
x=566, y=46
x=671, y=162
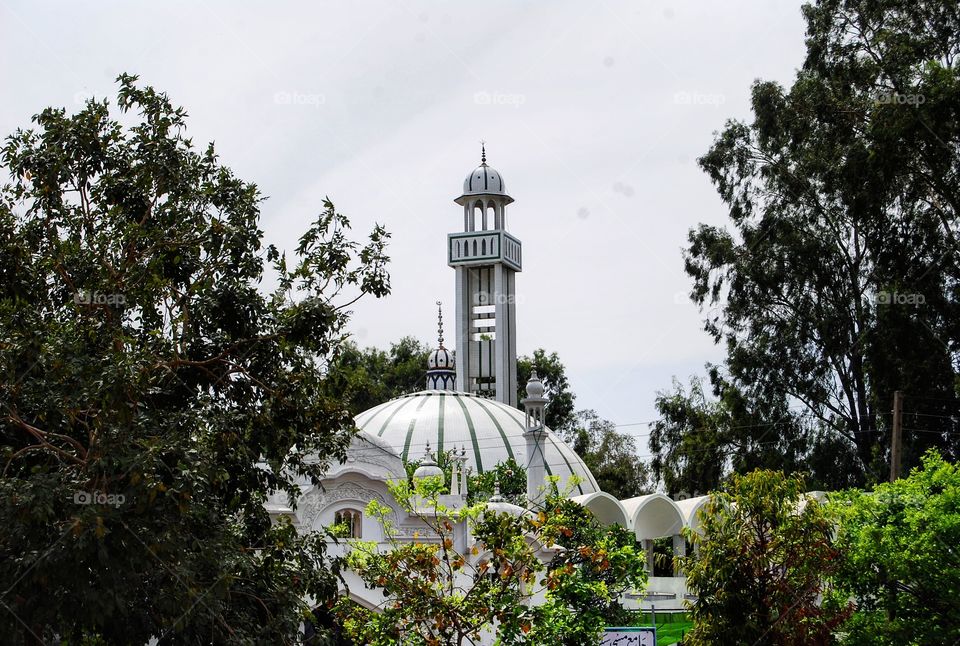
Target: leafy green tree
x=901, y=562
x=509, y=476
x=439, y=591
x=364, y=378
x=760, y=565
x=559, y=415
x=589, y=578
x=701, y=437
x=610, y=455
x=146, y=383
x=838, y=280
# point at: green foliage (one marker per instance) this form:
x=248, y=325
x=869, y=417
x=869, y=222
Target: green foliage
x=610, y=455
x=702, y=436
x=439, y=589
x=365, y=378
x=836, y=282
x=509, y=475
x=590, y=577
x=901, y=562
x=760, y=565
x=145, y=382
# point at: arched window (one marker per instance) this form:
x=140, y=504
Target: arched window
x=483, y=246
x=351, y=521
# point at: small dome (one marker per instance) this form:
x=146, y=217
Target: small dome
x=484, y=180
x=535, y=387
x=427, y=471
x=428, y=468
x=507, y=508
x=439, y=359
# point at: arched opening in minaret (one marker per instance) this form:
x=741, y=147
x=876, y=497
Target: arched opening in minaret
x=483, y=247
x=478, y=214
x=474, y=247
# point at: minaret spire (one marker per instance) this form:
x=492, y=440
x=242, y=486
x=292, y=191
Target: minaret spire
x=483, y=151
x=440, y=324
x=441, y=367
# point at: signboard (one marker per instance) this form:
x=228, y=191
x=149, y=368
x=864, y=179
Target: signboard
x=629, y=636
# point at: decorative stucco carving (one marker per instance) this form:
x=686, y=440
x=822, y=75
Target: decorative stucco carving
x=313, y=503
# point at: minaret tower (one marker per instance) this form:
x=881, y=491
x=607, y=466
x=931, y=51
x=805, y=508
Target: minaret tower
x=535, y=435
x=486, y=259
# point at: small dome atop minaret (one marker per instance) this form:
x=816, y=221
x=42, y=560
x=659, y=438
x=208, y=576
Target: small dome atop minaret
x=484, y=179
x=535, y=387
x=441, y=368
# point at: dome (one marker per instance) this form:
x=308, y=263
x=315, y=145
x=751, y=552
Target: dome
x=484, y=180
x=439, y=359
x=428, y=468
x=491, y=431
x=535, y=388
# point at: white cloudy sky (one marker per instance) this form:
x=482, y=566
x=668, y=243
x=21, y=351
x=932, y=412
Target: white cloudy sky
x=594, y=112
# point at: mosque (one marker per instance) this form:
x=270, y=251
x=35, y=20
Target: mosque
x=469, y=404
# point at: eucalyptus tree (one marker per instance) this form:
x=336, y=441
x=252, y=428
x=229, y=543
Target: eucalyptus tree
x=836, y=282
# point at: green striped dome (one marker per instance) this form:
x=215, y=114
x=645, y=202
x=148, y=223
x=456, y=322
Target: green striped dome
x=490, y=431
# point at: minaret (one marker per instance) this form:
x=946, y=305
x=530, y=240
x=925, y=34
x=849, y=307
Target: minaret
x=486, y=259
x=441, y=374
x=535, y=435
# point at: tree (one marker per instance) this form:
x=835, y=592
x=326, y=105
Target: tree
x=365, y=378
x=559, y=415
x=610, y=455
x=701, y=437
x=838, y=283
x=901, y=562
x=150, y=396
x=441, y=590
x=760, y=565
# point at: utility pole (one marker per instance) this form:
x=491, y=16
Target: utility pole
x=896, y=436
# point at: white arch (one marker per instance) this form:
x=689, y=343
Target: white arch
x=653, y=516
x=689, y=508
x=604, y=507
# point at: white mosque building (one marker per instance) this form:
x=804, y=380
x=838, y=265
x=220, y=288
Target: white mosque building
x=470, y=404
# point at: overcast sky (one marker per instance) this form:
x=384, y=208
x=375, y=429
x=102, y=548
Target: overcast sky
x=594, y=113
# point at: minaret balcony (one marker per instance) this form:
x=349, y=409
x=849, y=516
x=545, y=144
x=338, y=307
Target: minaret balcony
x=484, y=248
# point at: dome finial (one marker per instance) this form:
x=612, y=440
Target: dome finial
x=483, y=151
x=496, y=497
x=440, y=324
